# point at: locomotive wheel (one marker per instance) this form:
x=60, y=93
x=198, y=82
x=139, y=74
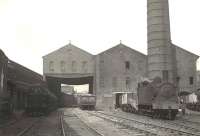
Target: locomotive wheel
x=156, y=114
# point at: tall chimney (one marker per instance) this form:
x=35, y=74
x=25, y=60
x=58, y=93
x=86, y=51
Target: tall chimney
x=160, y=54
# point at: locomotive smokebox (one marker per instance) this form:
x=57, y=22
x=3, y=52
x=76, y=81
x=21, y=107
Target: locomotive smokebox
x=160, y=53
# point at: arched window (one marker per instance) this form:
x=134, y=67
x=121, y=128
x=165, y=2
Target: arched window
x=140, y=65
x=74, y=66
x=51, y=66
x=102, y=85
x=84, y=66
x=128, y=83
x=114, y=82
x=127, y=65
x=62, y=66
x=191, y=79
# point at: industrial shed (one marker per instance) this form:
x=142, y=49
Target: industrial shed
x=118, y=69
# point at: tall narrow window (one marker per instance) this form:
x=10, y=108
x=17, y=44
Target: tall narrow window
x=140, y=65
x=127, y=65
x=62, y=66
x=165, y=75
x=191, y=80
x=2, y=80
x=114, y=82
x=84, y=66
x=51, y=66
x=101, y=82
x=74, y=66
x=178, y=79
x=128, y=83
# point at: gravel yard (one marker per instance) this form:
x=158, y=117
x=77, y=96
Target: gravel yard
x=117, y=123
x=103, y=127
x=13, y=129
x=78, y=122
x=34, y=126
x=46, y=126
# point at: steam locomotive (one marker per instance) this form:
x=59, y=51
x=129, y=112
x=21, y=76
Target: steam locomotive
x=157, y=99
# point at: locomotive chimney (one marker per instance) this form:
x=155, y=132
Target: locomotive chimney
x=160, y=54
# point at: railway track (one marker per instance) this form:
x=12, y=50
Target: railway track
x=25, y=130
x=151, y=128
x=50, y=125
x=17, y=127
x=142, y=131
x=8, y=124
x=45, y=125
x=187, y=125
x=91, y=128
x=190, y=121
x=62, y=125
x=82, y=124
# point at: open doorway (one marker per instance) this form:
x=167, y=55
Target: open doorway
x=60, y=85
x=118, y=100
x=69, y=94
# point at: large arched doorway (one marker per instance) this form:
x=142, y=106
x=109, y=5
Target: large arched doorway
x=54, y=83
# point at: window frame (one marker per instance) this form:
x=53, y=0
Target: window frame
x=127, y=65
x=85, y=66
x=74, y=66
x=128, y=83
x=62, y=66
x=191, y=80
x=51, y=66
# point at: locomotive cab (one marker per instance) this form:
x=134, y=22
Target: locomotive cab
x=158, y=99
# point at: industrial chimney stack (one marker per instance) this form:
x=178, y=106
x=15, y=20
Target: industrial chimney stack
x=160, y=53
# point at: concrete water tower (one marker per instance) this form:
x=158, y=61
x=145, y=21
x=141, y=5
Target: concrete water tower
x=160, y=50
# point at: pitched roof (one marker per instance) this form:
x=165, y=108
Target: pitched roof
x=65, y=47
x=186, y=50
x=112, y=48
x=124, y=46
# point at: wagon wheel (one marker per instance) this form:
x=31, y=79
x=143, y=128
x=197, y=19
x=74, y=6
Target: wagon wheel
x=170, y=115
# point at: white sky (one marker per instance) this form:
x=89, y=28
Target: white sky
x=81, y=88
x=84, y=88
x=30, y=29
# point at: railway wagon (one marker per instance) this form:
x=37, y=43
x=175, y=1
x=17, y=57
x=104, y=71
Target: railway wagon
x=86, y=101
x=157, y=99
x=5, y=107
x=19, y=80
x=15, y=81
x=68, y=100
x=128, y=102
x=40, y=101
x=194, y=106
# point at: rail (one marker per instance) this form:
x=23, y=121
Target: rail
x=24, y=131
x=122, y=124
x=62, y=125
x=92, y=129
x=8, y=124
x=145, y=123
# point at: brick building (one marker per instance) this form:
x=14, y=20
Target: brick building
x=118, y=69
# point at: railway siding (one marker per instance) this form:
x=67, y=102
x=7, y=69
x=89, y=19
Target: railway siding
x=34, y=126
x=160, y=126
x=49, y=125
x=75, y=126
x=109, y=128
x=18, y=127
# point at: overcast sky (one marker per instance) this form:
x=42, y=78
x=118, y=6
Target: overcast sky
x=30, y=29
